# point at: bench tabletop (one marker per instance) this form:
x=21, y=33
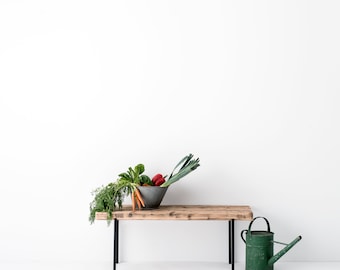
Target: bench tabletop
x=183, y=212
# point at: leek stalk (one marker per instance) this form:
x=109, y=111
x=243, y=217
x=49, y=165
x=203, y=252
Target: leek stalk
x=188, y=166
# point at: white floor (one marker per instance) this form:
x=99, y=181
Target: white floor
x=162, y=266
x=223, y=266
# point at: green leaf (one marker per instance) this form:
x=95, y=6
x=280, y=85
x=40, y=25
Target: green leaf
x=185, y=160
x=139, y=169
x=144, y=179
x=124, y=175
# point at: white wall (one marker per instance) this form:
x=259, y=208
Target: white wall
x=89, y=88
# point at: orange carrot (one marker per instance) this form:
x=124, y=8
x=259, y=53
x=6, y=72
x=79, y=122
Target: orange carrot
x=138, y=203
x=133, y=201
x=139, y=197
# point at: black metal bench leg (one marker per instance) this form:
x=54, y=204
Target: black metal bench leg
x=115, y=243
x=231, y=243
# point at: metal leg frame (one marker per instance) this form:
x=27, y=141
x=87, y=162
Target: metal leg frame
x=231, y=224
x=115, y=243
x=231, y=228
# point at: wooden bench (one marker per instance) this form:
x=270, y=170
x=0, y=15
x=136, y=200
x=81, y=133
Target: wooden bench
x=229, y=213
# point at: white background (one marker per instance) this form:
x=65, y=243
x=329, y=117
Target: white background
x=89, y=88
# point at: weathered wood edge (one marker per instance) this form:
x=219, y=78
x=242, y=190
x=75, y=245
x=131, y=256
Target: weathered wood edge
x=183, y=212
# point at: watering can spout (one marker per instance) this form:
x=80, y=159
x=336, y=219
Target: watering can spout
x=282, y=252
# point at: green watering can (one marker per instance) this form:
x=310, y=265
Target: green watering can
x=260, y=248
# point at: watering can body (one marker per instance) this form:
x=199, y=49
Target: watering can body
x=260, y=248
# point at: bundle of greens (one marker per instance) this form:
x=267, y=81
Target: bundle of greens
x=106, y=199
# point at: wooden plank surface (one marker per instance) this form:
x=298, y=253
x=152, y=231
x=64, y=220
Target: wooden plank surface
x=183, y=212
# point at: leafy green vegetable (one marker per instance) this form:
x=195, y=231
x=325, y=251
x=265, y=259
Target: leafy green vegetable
x=188, y=166
x=108, y=198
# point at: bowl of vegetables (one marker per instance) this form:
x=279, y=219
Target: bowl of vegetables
x=151, y=196
x=145, y=192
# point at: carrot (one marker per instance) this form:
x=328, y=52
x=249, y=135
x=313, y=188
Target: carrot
x=139, y=197
x=133, y=201
x=138, y=203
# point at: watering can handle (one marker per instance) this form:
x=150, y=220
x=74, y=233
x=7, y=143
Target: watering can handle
x=251, y=223
x=243, y=231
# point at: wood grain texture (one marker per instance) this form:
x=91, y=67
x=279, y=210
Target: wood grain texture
x=183, y=212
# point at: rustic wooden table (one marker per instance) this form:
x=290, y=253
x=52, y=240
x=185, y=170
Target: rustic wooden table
x=182, y=212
